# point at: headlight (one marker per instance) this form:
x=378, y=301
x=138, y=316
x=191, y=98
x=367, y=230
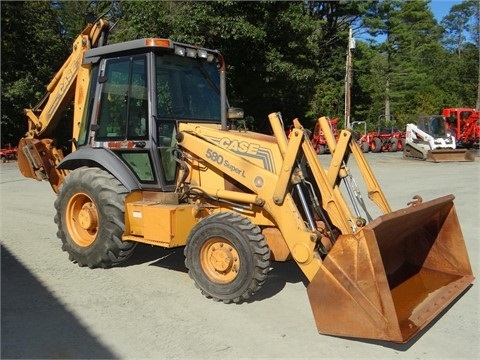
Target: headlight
x=191, y=53
x=179, y=50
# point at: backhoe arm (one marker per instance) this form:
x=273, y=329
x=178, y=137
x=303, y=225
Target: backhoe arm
x=44, y=117
x=38, y=155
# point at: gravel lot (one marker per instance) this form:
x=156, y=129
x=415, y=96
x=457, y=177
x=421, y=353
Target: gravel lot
x=150, y=309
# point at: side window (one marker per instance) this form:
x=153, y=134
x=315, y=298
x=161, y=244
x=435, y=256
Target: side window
x=166, y=133
x=138, y=101
x=113, y=103
x=124, y=104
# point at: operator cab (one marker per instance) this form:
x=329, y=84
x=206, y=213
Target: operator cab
x=433, y=125
x=143, y=89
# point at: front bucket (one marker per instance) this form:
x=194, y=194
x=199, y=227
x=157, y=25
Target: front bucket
x=394, y=276
x=445, y=155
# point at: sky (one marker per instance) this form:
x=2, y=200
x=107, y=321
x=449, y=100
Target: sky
x=440, y=8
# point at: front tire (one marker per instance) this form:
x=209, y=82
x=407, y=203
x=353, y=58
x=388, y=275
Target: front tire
x=227, y=257
x=90, y=218
x=365, y=148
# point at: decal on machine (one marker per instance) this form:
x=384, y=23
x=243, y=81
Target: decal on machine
x=218, y=158
x=245, y=148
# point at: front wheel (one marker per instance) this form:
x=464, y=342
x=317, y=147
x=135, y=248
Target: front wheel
x=227, y=257
x=365, y=147
x=90, y=218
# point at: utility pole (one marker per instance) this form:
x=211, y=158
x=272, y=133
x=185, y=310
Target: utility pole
x=387, y=98
x=348, y=78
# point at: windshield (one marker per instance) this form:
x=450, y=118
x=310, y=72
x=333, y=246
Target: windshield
x=187, y=89
x=434, y=125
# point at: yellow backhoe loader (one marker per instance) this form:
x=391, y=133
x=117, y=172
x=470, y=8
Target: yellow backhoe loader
x=157, y=158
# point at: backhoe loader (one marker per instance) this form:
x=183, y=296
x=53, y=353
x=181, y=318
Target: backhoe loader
x=158, y=158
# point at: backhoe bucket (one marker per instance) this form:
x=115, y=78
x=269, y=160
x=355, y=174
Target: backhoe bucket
x=444, y=155
x=394, y=276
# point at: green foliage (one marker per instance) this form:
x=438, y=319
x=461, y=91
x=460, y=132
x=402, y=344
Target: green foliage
x=32, y=51
x=281, y=56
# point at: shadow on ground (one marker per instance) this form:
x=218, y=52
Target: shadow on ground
x=35, y=325
x=280, y=274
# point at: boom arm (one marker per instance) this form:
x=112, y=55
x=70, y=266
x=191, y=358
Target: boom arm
x=44, y=117
x=38, y=156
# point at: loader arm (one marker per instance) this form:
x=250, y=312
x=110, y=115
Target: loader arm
x=338, y=167
x=38, y=155
x=268, y=189
x=271, y=191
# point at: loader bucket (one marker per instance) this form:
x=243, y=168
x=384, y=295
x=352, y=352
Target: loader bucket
x=444, y=155
x=394, y=276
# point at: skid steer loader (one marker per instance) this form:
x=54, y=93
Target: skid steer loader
x=428, y=140
x=158, y=158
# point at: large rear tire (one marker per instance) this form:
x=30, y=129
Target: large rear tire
x=393, y=145
x=376, y=145
x=227, y=257
x=90, y=218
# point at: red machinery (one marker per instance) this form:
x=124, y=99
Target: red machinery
x=8, y=153
x=464, y=124
x=386, y=139
x=363, y=138
x=318, y=138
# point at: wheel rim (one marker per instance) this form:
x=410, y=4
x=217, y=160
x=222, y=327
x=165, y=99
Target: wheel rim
x=82, y=219
x=219, y=260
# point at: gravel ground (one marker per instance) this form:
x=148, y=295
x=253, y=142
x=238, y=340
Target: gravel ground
x=149, y=308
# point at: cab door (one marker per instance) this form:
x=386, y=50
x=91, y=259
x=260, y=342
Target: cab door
x=126, y=122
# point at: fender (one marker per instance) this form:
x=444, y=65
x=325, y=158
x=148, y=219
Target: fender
x=103, y=158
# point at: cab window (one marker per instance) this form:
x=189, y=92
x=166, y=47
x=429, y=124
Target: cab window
x=124, y=104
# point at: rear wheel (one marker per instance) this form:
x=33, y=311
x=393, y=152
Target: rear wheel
x=90, y=218
x=393, y=145
x=376, y=145
x=227, y=257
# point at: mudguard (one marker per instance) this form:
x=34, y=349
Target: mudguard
x=103, y=158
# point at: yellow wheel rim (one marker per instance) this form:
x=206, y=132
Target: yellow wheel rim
x=82, y=219
x=219, y=260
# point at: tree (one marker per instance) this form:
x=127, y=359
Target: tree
x=31, y=52
x=411, y=50
x=462, y=38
